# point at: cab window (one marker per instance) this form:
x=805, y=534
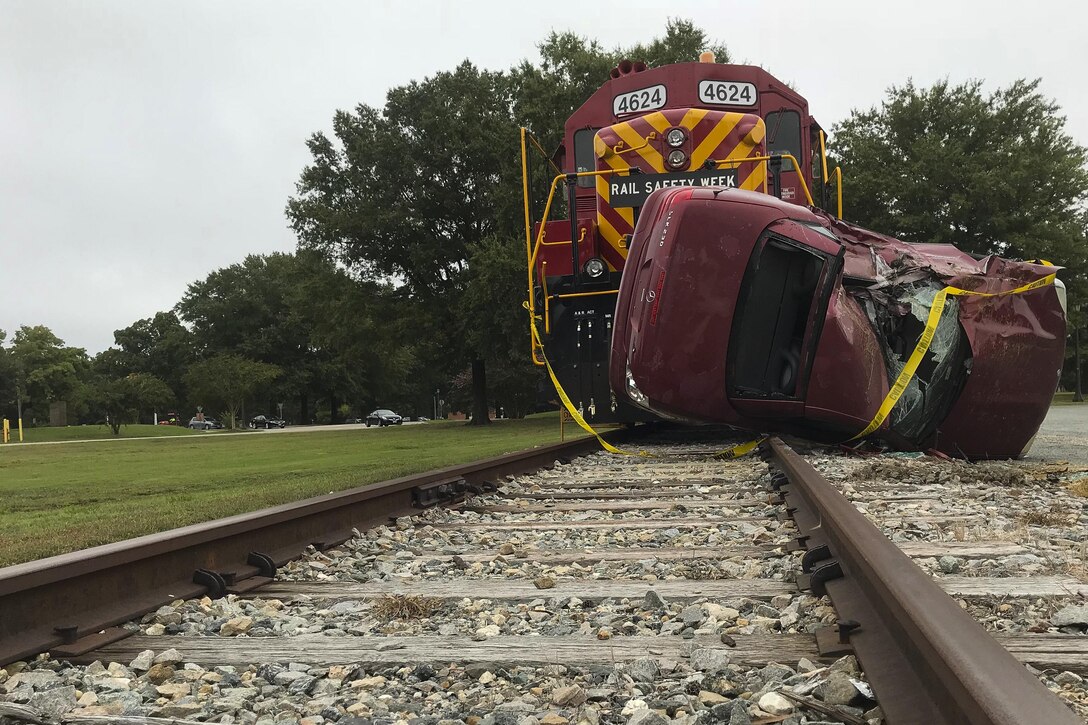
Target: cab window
x=784, y=135
x=584, y=158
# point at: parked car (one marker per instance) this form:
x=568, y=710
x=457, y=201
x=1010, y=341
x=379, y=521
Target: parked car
x=351, y=421
x=215, y=423
x=206, y=424
x=170, y=419
x=382, y=418
x=260, y=421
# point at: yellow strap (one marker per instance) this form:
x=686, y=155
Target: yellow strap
x=924, y=341
x=574, y=411
x=741, y=449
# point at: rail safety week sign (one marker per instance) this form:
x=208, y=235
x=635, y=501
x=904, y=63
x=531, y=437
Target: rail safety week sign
x=625, y=191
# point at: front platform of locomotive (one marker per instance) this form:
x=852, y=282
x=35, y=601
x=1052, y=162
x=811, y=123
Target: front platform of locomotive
x=689, y=125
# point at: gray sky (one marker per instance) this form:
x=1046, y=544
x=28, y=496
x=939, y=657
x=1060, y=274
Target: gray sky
x=145, y=144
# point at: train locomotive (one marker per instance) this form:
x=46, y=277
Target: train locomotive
x=695, y=280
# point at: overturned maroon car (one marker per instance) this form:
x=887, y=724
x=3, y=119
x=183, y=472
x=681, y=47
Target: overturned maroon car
x=737, y=307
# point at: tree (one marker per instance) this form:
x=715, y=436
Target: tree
x=990, y=173
x=496, y=282
x=277, y=309
x=229, y=380
x=46, y=370
x=7, y=377
x=410, y=188
x=122, y=400
x=159, y=345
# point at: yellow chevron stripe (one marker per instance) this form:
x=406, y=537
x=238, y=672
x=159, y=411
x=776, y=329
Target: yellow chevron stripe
x=610, y=234
x=714, y=139
x=647, y=152
x=658, y=121
x=744, y=147
x=755, y=180
x=692, y=118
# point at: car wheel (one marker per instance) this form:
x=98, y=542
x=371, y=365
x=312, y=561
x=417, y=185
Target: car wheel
x=368, y=424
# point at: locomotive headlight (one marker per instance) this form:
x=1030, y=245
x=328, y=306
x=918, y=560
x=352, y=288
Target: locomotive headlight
x=677, y=158
x=595, y=268
x=675, y=137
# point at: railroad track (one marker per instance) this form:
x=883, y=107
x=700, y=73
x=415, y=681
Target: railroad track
x=610, y=589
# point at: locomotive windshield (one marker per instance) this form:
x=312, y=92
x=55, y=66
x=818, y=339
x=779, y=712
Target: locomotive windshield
x=784, y=135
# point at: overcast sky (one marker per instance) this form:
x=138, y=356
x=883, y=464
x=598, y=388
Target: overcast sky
x=145, y=144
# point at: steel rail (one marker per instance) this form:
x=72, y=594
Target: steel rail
x=64, y=603
x=927, y=660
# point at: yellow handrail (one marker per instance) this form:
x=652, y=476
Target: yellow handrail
x=616, y=150
x=823, y=155
x=544, y=287
x=838, y=188
x=804, y=184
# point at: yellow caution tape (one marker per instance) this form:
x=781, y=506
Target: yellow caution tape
x=924, y=341
x=574, y=411
x=741, y=449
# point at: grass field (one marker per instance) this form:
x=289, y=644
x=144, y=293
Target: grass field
x=63, y=497
x=1063, y=399
x=46, y=434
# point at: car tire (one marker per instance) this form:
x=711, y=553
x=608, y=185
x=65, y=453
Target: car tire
x=368, y=424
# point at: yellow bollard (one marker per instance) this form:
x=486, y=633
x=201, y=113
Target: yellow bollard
x=20, y=430
x=7, y=430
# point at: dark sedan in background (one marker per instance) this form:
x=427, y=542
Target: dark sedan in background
x=261, y=421
x=383, y=418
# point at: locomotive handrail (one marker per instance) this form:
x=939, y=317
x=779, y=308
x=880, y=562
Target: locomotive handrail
x=581, y=236
x=547, y=307
x=796, y=165
x=838, y=189
x=838, y=173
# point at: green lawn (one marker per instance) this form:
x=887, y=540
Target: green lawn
x=63, y=497
x=1063, y=399
x=95, y=432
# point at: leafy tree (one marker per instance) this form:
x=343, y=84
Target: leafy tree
x=7, y=378
x=46, y=370
x=496, y=282
x=992, y=173
x=264, y=308
x=122, y=400
x=410, y=188
x=159, y=345
x=229, y=380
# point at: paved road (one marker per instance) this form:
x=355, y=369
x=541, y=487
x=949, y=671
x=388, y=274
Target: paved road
x=1063, y=436
x=209, y=434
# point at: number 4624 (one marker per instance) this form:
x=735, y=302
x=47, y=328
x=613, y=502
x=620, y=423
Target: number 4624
x=727, y=93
